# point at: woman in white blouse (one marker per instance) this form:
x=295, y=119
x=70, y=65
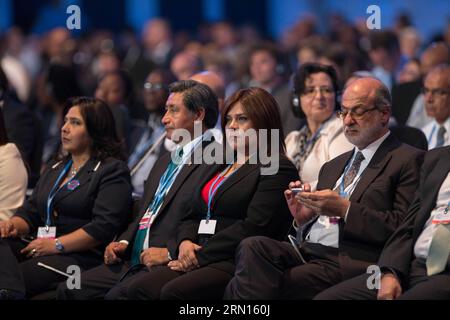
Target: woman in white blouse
x=13, y=175
x=322, y=138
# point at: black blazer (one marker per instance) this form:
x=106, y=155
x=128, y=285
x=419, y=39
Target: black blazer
x=20, y=126
x=173, y=208
x=379, y=202
x=99, y=205
x=399, y=250
x=247, y=204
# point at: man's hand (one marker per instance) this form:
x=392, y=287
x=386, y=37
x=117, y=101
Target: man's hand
x=300, y=213
x=154, y=256
x=390, y=287
x=114, y=251
x=325, y=202
x=40, y=247
x=8, y=229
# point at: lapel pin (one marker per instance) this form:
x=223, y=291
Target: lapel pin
x=73, y=184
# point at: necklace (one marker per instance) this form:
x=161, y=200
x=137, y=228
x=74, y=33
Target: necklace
x=73, y=172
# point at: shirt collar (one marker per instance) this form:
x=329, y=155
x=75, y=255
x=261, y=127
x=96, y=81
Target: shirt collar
x=369, y=151
x=189, y=147
x=446, y=125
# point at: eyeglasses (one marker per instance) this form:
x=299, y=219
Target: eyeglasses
x=311, y=91
x=435, y=92
x=356, y=113
x=148, y=86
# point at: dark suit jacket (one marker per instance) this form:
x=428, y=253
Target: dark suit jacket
x=99, y=205
x=379, y=202
x=398, y=252
x=173, y=208
x=19, y=124
x=247, y=204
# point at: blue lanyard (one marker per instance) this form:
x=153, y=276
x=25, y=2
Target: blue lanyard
x=212, y=190
x=431, y=134
x=54, y=191
x=162, y=190
x=342, y=192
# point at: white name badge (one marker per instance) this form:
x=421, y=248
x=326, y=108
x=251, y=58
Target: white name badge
x=44, y=234
x=207, y=227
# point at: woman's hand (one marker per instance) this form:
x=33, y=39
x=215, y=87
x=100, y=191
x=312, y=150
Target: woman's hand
x=40, y=247
x=186, y=256
x=300, y=213
x=114, y=251
x=8, y=229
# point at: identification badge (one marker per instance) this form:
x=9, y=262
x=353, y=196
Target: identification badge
x=44, y=234
x=207, y=227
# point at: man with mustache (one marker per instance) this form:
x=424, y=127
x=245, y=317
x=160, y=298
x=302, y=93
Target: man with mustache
x=147, y=241
x=361, y=198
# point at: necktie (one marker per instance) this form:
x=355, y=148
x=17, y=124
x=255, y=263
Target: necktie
x=439, y=250
x=440, y=137
x=354, y=168
x=164, y=184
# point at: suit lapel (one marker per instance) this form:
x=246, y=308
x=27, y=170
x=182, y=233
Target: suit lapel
x=240, y=174
x=329, y=178
x=152, y=184
x=83, y=177
x=379, y=160
x=432, y=185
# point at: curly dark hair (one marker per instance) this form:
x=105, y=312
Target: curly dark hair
x=100, y=126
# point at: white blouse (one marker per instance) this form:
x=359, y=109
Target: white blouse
x=13, y=180
x=330, y=144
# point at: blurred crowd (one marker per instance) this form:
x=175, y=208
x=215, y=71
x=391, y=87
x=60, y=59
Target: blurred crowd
x=126, y=70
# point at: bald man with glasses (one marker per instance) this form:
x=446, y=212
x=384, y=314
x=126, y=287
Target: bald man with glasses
x=362, y=197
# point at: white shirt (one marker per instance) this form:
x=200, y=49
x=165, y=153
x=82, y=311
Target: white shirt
x=423, y=242
x=13, y=180
x=418, y=117
x=323, y=231
x=431, y=131
x=187, y=149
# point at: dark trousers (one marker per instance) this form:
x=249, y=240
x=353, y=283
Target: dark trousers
x=96, y=282
x=37, y=279
x=116, y=282
x=419, y=286
x=162, y=283
x=270, y=269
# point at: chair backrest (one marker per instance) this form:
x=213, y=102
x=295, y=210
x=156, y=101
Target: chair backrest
x=410, y=135
x=36, y=155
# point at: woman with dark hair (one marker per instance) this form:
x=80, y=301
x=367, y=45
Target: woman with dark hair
x=116, y=89
x=13, y=175
x=80, y=202
x=233, y=201
x=322, y=138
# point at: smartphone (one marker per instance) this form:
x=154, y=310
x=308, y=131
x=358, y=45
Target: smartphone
x=296, y=191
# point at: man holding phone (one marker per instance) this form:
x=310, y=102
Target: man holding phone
x=361, y=198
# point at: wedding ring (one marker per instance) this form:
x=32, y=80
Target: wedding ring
x=33, y=252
